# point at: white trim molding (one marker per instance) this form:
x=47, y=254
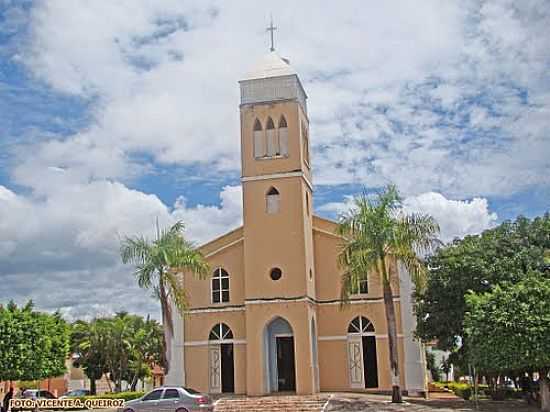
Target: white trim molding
x=345, y=337
x=224, y=247
x=215, y=342
x=326, y=232
x=216, y=310
x=277, y=176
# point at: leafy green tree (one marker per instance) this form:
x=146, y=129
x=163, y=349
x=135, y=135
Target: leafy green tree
x=507, y=330
x=146, y=349
x=477, y=263
x=88, y=342
x=125, y=346
x=33, y=345
x=158, y=263
x=431, y=365
x=378, y=235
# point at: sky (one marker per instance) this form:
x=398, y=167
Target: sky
x=116, y=114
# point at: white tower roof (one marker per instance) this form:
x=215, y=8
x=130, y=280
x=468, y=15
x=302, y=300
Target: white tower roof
x=271, y=65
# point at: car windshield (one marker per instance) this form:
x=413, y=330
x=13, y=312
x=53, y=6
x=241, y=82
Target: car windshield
x=191, y=391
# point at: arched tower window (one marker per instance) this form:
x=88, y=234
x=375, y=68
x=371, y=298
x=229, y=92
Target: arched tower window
x=220, y=286
x=271, y=136
x=272, y=201
x=259, y=140
x=283, y=137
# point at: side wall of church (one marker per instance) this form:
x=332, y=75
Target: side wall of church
x=197, y=329
x=333, y=319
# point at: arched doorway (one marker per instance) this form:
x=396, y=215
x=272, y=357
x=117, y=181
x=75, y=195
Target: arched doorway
x=363, y=365
x=279, y=356
x=221, y=374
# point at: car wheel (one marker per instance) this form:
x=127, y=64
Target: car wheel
x=128, y=410
x=181, y=410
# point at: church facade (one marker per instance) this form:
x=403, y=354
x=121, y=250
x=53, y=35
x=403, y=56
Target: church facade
x=269, y=318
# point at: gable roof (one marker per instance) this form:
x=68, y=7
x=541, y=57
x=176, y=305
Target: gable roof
x=225, y=240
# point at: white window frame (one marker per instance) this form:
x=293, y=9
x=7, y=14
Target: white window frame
x=357, y=292
x=273, y=201
x=220, y=271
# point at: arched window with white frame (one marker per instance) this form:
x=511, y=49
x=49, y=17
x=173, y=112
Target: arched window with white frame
x=220, y=333
x=283, y=137
x=220, y=286
x=259, y=140
x=271, y=137
x=272, y=201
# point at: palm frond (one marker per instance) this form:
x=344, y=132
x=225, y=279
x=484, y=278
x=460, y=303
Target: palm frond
x=134, y=250
x=175, y=291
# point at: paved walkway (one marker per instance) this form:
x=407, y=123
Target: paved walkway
x=346, y=402
x=355, y=402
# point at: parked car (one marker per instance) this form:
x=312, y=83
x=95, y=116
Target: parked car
x=33, y=394
x=170, y=399
x=37, y=394
x=76, y=393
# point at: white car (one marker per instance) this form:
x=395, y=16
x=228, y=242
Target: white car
x=170, y=399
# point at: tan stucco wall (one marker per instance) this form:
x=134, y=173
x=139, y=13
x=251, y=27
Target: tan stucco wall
x=275, y=240
x=219, y=255
x=197, y=329
x=199, y=325
x=327, y=246
x=333, y=324
x=258, y=316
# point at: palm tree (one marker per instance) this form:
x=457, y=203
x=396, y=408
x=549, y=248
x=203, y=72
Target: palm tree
x=158, y=263
x=377, y=236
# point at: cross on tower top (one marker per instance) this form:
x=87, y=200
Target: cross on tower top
x=271, y=29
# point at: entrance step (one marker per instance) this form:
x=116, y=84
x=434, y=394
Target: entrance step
x=294, y=403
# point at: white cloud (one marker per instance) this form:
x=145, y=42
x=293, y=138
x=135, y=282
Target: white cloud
x=62, y=250
x=425, y=90
x=437, y=97
x=456, y=218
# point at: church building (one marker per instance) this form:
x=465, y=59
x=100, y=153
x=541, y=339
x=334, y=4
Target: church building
x=269, y=317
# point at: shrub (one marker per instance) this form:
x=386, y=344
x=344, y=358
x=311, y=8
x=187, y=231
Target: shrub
x=463, y=390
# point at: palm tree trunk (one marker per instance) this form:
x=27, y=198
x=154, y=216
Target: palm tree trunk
x=544, y=390
x=92, y=385
x=167, y=326
x=392, y=334
x=134, y=383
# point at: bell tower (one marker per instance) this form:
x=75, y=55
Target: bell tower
x=276, y=180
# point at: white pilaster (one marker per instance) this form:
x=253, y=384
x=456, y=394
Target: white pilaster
x=176, y=374
x=415, y=357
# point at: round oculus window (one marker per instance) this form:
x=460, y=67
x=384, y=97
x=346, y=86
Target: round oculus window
x=275, y=274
